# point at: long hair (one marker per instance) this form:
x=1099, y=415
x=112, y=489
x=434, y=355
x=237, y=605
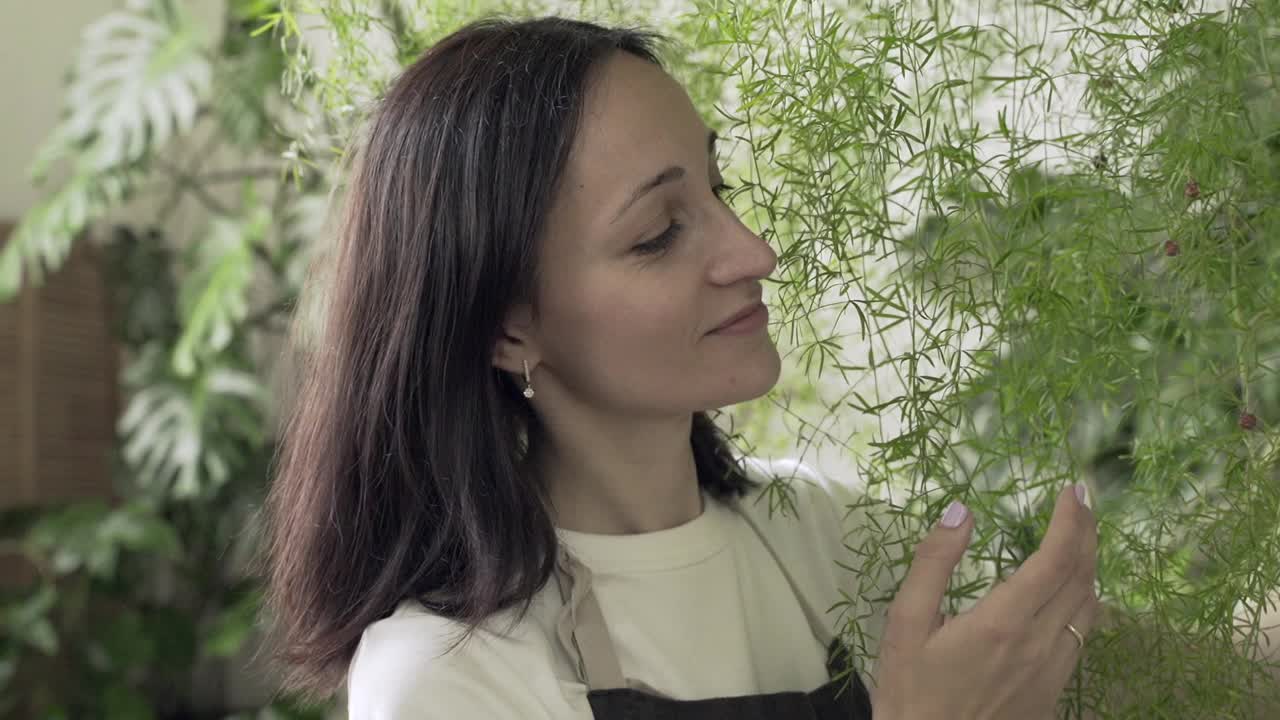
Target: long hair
x=399, y=473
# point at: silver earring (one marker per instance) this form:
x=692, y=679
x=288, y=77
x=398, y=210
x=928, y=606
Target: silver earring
x=528, y=386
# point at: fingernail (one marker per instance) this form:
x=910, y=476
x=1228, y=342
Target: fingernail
x=955, y=514
x=1082, y=494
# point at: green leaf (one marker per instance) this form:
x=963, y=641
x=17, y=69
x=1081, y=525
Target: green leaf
x=42, y=635
x=125, y=641
x=164, y=437
x=142, y=312
x=121, y=702
x=44, y=236
x=92, y=536
x=248, y=81
x=215, y=301
x=248, y=10
x=233, y=625
x=69, y=537
x=136, y=83
x=173, y=631
x=136, y=527
x=33, y=607
x=183, y=436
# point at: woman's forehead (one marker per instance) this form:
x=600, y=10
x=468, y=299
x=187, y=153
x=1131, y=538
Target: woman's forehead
x=637, y=120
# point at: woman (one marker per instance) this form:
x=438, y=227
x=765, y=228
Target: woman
x=500, y=494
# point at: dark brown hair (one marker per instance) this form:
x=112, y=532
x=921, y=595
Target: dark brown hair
x=400, y=465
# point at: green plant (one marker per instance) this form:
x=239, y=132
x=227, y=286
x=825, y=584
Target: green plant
x=975, y=304
x=138, y=600
x=1020, y=324
x=1026, y=329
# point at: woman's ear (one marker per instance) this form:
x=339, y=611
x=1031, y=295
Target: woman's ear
x=516, y=342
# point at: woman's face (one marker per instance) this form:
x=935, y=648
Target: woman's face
x=626, y=316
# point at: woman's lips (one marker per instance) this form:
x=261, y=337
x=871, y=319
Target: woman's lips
x=756, y=318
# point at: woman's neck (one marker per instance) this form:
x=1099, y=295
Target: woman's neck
x=619, y=481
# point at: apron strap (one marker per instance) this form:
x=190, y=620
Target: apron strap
x=582, y=629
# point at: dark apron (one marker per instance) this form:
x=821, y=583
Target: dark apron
x=583, y=633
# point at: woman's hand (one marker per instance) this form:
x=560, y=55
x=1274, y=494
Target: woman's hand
x=1010, y=656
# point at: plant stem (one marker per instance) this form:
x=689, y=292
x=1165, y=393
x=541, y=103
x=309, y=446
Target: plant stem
x=1242, y=333
x=189, y=182
x=236, y=174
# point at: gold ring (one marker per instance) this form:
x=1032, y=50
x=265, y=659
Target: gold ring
x=1079, y=637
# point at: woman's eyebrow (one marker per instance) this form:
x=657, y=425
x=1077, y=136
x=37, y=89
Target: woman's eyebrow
x=675, y=172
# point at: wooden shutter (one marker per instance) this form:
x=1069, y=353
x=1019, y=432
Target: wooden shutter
x=57, y=386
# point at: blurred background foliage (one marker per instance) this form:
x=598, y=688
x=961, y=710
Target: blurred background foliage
x=1014, y=326
x=139, y=601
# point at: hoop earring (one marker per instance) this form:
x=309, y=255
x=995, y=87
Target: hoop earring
x=528, y=386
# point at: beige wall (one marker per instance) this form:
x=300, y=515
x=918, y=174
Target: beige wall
x=37, y=44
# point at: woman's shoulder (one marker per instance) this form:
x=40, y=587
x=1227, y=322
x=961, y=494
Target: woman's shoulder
x=411, y=665
x=406, y=637
x=403, y=660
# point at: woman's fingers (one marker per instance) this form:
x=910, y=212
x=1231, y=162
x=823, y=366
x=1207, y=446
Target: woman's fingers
x=1075, y=603
x=938, y=622
x=1063, y=606
x=928, y=664
x=1066, y=649
x=1050, y=568
x=913, y=615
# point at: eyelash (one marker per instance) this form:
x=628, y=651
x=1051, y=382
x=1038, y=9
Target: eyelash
x=663, y=241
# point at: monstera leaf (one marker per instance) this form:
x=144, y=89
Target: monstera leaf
x=137, y=83
x=44, y=236
x=184, y=436
x=214, y=302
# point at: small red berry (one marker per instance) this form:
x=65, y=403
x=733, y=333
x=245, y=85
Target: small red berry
x=1171, y=248
x=1192, y=190
x=1248, y=421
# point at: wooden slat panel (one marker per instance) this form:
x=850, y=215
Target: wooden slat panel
x=17, y=454
x=11, y=451
x=75, y=416
x=57, y=386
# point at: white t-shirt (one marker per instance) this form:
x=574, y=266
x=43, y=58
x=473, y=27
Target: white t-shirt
x=697, y=611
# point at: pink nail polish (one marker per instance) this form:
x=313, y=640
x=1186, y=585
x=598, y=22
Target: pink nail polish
x=955, y=514
x=1082, y=494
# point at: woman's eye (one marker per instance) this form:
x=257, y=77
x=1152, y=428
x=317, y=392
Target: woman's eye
x=660, y=243
x=668, y=236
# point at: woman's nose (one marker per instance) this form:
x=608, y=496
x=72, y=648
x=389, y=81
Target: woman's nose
x=743, y=255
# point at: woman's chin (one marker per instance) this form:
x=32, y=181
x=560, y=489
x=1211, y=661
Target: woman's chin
x=751, y=382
